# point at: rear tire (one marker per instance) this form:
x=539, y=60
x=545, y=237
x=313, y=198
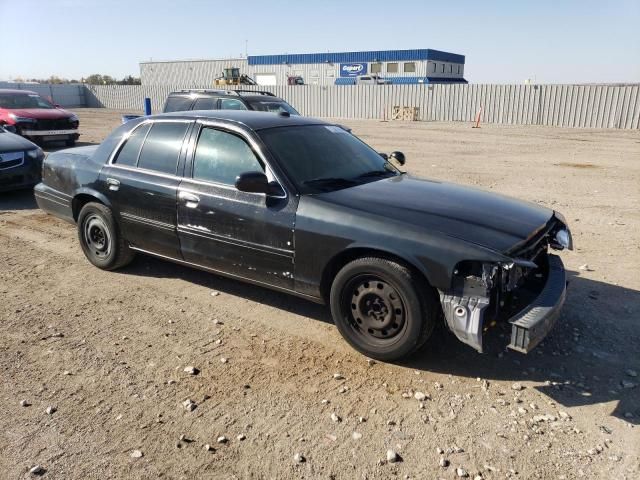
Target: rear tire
x=382, y=308
x=100, y=238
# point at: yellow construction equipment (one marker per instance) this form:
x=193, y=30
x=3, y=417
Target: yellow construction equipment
x=232, y=76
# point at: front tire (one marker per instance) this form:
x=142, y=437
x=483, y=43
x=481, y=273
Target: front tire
x=382, y=308
x=100, y=238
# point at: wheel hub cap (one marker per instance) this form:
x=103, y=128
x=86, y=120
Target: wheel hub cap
x=377, y=309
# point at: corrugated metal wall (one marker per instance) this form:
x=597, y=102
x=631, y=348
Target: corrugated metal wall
x=68, y=95
x=587, y=106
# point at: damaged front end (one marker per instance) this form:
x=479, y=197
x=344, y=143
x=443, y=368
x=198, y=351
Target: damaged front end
x=527, y=290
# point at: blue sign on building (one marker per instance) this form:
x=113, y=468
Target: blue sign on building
x=353, y=69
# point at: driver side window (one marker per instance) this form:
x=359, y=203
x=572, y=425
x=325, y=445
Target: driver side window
x=221, y=156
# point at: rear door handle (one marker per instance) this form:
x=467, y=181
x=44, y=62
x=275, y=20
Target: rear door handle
x=113, y=184
x=190, y=200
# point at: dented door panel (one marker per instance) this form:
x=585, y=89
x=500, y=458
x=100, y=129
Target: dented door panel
x=244, y=234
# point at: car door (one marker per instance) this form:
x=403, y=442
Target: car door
x=245, y=235
x=141, y=182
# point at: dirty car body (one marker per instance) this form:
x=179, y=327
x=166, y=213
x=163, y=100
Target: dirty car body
x=268, y=212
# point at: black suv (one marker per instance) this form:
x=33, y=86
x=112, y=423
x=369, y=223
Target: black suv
x=197, y=99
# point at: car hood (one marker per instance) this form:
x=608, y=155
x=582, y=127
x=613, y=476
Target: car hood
x=41, y=113
x=483, y=218
x=10, y=142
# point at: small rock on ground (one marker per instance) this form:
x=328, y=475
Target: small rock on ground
x=137, y=454
x=51, y=410
x=222, y=439
x=191, y=370
x=392, y=456
x=37, y=470
x=461, y=472
x=299, y=458
x=444, y=463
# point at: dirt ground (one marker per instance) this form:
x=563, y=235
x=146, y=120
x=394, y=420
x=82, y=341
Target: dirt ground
x=108, y=350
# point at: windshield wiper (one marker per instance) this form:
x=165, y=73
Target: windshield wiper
x=330, y=182
x=376, y=173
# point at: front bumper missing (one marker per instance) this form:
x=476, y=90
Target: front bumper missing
x=535, y=321
x=465, y=314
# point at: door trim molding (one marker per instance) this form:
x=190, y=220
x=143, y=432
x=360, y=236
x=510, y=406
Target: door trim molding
x=232, y=275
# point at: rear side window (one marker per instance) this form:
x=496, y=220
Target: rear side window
x=206, y=104
x=162, y=146
x=231, y=104
x=221, y=156
x=128, y=154
x=177, y=104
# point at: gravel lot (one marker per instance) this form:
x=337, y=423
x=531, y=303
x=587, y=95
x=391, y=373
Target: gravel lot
x=108, y=351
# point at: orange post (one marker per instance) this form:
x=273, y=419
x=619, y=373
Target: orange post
x=477, y=125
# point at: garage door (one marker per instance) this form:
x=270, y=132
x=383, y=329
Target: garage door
x=266, y=78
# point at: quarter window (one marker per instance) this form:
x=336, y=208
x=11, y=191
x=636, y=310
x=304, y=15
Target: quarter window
x=221, y=156
x=409, y=67
x=177, y=104
x=129, y=152
x=162, y=146
x=392, y=68
x=206, y=103
x=231, y=104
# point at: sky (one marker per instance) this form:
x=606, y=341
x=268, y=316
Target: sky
x=547, y=41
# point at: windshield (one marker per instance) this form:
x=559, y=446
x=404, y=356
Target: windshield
x=20, y=100
x=320, y=158
x=272, y=106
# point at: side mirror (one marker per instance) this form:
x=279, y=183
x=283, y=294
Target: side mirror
x=398, y=157
x=253, y=182
x=57, y=105
x=384, y=155
x=257, y=182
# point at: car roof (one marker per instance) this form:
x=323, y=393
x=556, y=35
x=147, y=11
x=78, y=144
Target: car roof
x=251, y=119
x=14, y=91
x=236, y=93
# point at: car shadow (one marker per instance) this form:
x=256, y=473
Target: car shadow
x=582, y=361
x=18, y=200
x=148, y=266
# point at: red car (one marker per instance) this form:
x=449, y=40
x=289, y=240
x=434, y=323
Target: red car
x=36, y=118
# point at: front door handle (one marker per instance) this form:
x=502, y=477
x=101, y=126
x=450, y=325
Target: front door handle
x=113, y=184
x=190, y=200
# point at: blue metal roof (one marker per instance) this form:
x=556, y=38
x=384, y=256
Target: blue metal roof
x=349, y=57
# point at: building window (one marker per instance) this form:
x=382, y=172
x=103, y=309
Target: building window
x=331, y=73
x=314, y=73
x=443, y=68
x=376, y=67
x=409, y=67
x=459, y=69
x=392, y=68
x=434, y=65
x=450, y=68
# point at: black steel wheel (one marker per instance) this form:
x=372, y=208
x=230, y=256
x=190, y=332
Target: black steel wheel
x=382, y=308
x=100, y=238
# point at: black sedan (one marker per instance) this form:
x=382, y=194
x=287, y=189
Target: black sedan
x=20, y=162
x=305, y=207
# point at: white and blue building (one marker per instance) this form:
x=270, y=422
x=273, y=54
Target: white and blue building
x=421, y=66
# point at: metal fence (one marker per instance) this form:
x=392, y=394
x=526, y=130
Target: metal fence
x=67, y=95
x=587, y=106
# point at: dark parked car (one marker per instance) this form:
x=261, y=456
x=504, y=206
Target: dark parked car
x=199, y=99
x=305, y=207
x=36, y=118
x=20, y=162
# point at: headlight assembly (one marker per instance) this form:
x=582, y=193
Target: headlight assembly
x=562, y=240
x=16, y=118
x=35, y=153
